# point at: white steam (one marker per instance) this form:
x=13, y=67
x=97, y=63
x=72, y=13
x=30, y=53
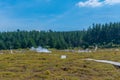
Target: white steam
x=105, y=61
x=40, y=49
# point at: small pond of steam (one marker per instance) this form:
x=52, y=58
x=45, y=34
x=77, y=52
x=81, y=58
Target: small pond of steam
x=63, y=56
x=40, y=49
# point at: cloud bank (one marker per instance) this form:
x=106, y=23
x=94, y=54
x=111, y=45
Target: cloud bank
x=97, y=3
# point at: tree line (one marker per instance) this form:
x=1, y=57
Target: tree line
x=103, y=35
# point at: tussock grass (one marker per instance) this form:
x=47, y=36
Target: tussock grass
x=41, y=66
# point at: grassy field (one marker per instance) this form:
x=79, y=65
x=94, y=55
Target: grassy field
x=28, y=65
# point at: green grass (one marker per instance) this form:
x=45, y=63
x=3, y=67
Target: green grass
x=40, y=66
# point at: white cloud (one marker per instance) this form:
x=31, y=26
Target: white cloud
x=89, y=3
x=112, y=2
x=97, y=3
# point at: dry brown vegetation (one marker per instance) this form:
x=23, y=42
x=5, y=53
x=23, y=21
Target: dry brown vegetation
x=43, y=66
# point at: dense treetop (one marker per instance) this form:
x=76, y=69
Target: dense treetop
x=103, y=35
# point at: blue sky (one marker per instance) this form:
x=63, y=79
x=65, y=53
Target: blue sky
x=58, y=15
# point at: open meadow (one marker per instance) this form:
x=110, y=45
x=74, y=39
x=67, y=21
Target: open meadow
x=30, y=65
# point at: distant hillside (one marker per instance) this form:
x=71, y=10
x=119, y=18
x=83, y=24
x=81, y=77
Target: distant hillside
x=103, y=35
